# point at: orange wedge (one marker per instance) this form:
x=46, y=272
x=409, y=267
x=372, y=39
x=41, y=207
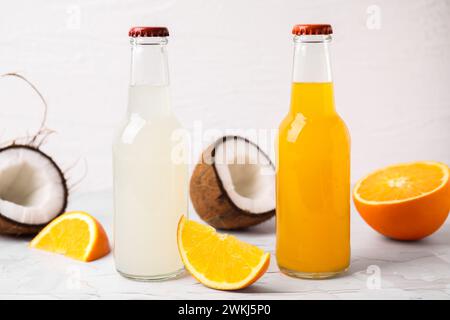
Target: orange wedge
x=74, y=234
x=407, y=201
x=219, y=261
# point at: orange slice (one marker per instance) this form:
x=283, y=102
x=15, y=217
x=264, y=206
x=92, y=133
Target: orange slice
x=74, y=234
x=219, y=261
x=406, y=201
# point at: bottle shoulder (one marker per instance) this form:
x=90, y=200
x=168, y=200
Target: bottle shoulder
x=299, y=126
x=135, y=127
x=329, y=118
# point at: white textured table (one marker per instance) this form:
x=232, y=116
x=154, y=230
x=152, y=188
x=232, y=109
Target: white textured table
x=380, y=268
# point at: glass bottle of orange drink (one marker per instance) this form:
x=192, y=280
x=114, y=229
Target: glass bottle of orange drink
x=313, y=167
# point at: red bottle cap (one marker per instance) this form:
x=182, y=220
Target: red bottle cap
x=148, y=32
x=312, y=29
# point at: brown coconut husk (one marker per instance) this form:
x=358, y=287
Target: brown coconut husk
x=33, y=143
x=210, y=200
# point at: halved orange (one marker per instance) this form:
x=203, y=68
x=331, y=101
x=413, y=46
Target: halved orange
x=76, y=234
x=219, y=261
x=407, y=201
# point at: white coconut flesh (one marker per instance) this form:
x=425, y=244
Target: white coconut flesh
x=32, y=189
x=246, y=174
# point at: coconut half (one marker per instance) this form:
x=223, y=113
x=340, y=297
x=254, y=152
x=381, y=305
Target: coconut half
x=233, y=185
x=33, y=190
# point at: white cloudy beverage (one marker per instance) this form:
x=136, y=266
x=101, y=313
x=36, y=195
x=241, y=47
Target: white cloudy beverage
x=150, y=176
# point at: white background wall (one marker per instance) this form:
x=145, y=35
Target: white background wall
x=230, y=64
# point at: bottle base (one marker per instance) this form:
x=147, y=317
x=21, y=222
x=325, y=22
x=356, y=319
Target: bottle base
x=312, y=275
x=152, y=278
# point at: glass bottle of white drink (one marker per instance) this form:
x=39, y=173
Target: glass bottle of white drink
x=150, y=184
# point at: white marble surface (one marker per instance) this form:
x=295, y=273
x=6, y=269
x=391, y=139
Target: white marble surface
x=414, y=270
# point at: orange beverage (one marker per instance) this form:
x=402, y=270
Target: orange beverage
x=313, y=167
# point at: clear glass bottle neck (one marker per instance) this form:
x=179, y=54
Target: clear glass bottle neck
x=149, y=63
x=312, y=59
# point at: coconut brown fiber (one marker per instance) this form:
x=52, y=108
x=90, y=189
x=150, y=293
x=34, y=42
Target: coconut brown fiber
x=9, y=227
x=212, y=203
